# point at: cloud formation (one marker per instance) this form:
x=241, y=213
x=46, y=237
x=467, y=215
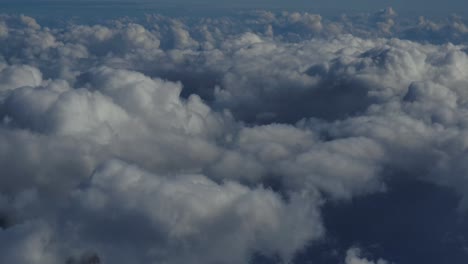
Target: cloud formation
x=213, y=140
x=352, y=257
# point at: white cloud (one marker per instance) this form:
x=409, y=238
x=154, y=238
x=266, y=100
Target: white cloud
x=12, y=77
x=353, y=257
x=191, y=218
x=211, y=139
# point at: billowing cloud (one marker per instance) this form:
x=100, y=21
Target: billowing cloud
x=215, y=140
x=189, y=218
x=353, y=257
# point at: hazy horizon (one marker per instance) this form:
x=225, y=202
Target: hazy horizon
x=413, y=7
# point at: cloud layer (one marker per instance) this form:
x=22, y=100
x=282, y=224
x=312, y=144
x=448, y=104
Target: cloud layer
x=214, y=140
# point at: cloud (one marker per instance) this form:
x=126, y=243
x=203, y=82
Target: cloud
x=28, y=243
x=212, y=140
x=353, y=257
x=12, y=77
x=189, y=217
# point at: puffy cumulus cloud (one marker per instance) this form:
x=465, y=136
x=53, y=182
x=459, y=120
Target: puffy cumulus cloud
x=60, y=134
x=342, y=168
x=294, y=25
x=25, y=39
x=284, y=78
x=290, y=158
x=254, y=153
x=29, y=22
x=385, y=21
x=353, y=257
x=425, y=103
x=117, y=39
x=12, y=77
x=31, y=242
x=126, y=214
x=188, y=218
x=174, y=140
x=451, y=29
x=156, y=101
x=181, y=38
x=117, y=113
x=34, y=161
x=348, y=72
x=3, y=30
